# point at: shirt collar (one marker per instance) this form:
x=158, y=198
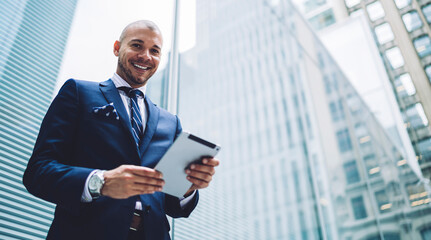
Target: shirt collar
x=120, y=82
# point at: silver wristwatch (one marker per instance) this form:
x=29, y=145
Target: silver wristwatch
x=95, y=184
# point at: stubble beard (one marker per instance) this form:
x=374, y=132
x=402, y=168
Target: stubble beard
x=128, y=74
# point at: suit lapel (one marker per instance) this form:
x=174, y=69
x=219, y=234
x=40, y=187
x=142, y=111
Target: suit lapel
x=151, y=126
x=111, y=94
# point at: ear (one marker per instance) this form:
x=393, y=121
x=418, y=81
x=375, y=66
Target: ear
x=116, y=48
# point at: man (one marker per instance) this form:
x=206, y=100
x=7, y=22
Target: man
x=98, y=145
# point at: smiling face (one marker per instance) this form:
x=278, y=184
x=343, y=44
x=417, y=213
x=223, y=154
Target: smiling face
x=138, y=52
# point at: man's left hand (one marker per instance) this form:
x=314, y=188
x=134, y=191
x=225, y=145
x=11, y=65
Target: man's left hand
x=200, y=174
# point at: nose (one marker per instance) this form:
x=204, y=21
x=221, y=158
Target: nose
x=145, y=54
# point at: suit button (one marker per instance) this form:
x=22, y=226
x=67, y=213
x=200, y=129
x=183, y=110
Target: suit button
x=147, y=209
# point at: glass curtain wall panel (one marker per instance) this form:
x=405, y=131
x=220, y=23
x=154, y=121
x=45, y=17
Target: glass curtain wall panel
x=302, y=155
x=33, y=35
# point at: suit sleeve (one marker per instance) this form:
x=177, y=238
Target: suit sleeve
x=172, y=204
x=50, y=173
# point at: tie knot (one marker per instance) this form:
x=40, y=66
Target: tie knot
x=135, y=93
x=132, y=92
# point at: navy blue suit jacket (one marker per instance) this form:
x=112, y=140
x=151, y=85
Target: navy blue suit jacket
x=73, y=141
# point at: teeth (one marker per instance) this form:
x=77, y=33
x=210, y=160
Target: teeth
x=136, y=65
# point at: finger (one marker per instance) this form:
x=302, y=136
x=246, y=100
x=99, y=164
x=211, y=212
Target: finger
x=149, y=180
x=199, y=175
x=146, y=172
x=198, y=182
x=211, y=161
x=203, y=168
x=145, y=188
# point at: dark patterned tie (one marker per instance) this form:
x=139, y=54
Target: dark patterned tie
x=135, y=113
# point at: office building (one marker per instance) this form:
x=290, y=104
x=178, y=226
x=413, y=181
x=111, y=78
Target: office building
x=401, y=30
x=302, y=155
x=33, y=35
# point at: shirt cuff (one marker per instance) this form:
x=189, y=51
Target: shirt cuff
x=86, y=196
x=185, y=201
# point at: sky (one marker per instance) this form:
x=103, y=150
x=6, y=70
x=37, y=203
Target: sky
x=98, y=23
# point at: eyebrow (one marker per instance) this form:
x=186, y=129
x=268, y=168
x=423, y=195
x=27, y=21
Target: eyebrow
x=140, y=41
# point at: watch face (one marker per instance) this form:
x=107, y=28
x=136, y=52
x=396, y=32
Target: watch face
x=92, y=184
x=95, y=184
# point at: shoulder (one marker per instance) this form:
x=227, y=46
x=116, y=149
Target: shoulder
x=81, y=83
x=80, y=86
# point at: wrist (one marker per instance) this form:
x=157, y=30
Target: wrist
x=95, y=184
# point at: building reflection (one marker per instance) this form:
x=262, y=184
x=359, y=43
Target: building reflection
x=303, y=156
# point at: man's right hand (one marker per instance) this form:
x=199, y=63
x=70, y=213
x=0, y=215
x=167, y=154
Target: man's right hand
x=129, y=180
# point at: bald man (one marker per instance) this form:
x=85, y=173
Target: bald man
x=97, y=148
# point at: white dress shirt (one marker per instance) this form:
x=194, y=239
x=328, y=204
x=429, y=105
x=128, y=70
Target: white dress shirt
x=119, y=82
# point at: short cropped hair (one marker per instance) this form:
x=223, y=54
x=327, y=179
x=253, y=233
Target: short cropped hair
x=147, y=23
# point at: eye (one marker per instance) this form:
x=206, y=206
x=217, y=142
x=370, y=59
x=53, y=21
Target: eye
x=155, y=51
x=136, y=45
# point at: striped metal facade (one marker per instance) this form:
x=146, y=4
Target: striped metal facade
x=33, y=35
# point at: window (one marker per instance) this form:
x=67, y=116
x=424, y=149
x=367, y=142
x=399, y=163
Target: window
x=375, y=11
x=327, y=82
x=423, y=45
x=383, y=201
x=427, y=12
x=426, y=233
x=337, y=111
x=351, y=3
x=416, y=116
x=351, y=171
x=425, y=149
x=344, y=142
x=402, y=3
x=361, y=130
x=417, y=194
x=404, y=85
x=372, y=165
x=428, y=72
x=358, y=207
x=386, y=236
x=322, y=20
x=312, y=5
x=412, y=21
x=394, y=57
x=358, y=12
x=384, y=33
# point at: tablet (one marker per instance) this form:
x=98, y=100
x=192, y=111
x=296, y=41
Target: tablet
x=186, y=149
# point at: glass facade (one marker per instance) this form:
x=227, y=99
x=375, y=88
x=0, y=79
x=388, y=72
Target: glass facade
x=402, y=3
x=322, y=20
x=375, y=10
x=394, y=57
x=352, y=3
x=412, y=21
x=428, y=72
x=427, y=12
x=33, y=36
x=404, y=85
x=384, y=33
x=401, y=61
x=422, y=45
x=302, y=156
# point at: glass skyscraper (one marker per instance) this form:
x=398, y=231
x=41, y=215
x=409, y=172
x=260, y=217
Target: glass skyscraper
x=302, y=155
x=33, y=34
x=401, y=30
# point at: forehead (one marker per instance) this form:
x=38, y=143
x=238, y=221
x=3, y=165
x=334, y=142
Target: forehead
x=144, y=34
